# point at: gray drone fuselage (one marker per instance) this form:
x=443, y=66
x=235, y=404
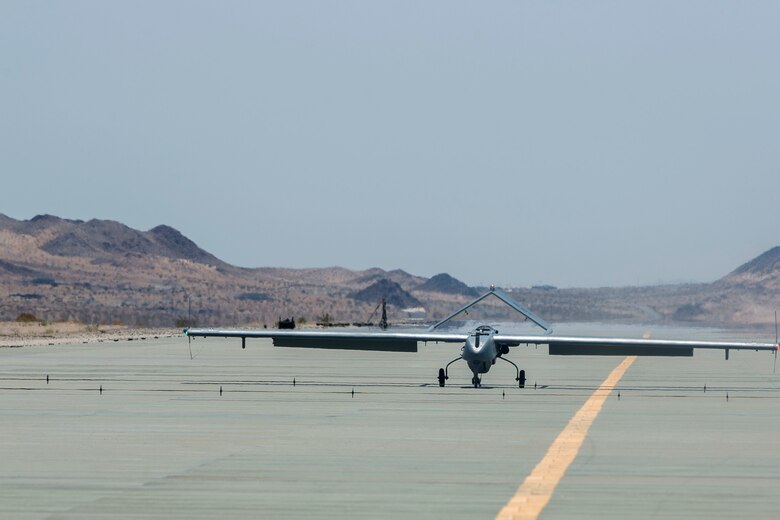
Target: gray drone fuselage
x=480, y=350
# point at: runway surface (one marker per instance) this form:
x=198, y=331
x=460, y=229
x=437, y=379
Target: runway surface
x=160, y=440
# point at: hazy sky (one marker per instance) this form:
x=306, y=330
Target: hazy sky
x=519, y=143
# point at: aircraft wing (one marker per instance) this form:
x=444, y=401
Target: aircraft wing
x=407, y=342
x=591, y=346
x=343, y=340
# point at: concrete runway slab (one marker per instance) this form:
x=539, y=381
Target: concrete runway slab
x=161, y=441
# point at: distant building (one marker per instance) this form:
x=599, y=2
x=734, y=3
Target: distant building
x=414, y=313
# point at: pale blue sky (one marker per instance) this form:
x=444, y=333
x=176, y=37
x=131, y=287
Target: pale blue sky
x=570, y=143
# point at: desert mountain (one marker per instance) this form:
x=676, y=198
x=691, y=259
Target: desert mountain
x=764, y=268
x=390, y=291
x=101, y=271
x=444, y=283
x=105, y=239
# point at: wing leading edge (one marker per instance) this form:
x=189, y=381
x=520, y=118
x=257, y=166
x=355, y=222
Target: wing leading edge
x=384, y=341
x=590, y=346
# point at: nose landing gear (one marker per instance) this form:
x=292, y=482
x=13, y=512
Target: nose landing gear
x=476, y=381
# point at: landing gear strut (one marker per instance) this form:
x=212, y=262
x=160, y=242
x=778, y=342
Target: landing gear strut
x=520, y=373
x=476, y=381
x=443, y=376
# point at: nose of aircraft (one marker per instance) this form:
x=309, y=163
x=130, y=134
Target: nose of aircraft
x=478, y=366
x=478, y=353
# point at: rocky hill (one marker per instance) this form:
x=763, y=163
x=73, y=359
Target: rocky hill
x=391, y=291
x=444, y=283
x=102, y=271
x=763, y=266
x=106, y=239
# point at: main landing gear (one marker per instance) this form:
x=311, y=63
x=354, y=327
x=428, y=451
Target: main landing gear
x=443, y=371
x=520, y=373
x=476, y=381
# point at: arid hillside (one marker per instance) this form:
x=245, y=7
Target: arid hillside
x=104, y=272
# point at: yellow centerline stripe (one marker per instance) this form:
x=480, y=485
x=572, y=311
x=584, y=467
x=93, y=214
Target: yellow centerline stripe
x=534, y=493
